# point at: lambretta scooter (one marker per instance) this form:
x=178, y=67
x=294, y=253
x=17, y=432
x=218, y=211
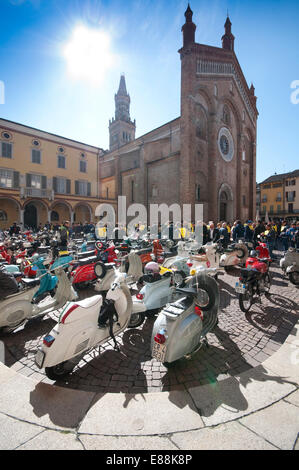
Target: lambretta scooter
x=17, y=309
x=181, y=327
x=84, y=325
x=290, y=265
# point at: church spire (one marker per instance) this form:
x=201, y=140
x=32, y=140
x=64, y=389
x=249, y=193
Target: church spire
x=188, y=28
x=121, y=128
x=122, y=90
x=228, y=39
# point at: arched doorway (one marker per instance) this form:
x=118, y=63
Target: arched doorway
x=30, y=216
x=225, y=204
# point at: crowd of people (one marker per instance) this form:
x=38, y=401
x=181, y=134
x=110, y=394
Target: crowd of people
x=279, y=234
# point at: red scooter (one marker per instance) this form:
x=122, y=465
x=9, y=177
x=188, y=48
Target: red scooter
x=254, y=281
x=83, y=273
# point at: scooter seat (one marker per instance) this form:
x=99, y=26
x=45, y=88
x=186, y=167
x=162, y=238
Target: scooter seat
x=30, y=282
x=144, y=251
x=85, y=261
x=89, y=302
x=109, y=265
x=85, y=254
x=189, y=291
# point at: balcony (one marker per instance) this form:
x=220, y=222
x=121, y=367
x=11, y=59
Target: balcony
x=37, y=193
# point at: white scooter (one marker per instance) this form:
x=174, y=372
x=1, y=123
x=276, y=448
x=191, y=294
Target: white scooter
x=84, y=325
x=214, y=257
x=181, y=327
x=17, y=309
x=290, y=265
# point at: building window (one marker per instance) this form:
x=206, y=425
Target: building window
x=271, y=209
x=264, y=198
x=198, y=192
x=54, y=216
x=3, y=216
x=244, y=200
x=83, y=166
x=226, y=115
x=35, y=156
x=278, y=197
x=36, y=181
x=154, y=191
x=243, y=155
x=278, y=209
x=215, y=90
x=61, y=185
x=6, y=178
x=6, y=150
x=61, y=161
x=36, y=143
x=6, y=135
x=82, y=188
x=290, y=208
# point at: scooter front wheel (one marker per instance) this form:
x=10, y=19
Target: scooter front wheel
x=136, y=320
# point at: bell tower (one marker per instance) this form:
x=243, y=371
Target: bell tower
x=121, y=128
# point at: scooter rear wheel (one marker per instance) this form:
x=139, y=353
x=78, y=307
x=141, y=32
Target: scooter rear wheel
x=294, y=278
x=246, y=301
x=58, y=372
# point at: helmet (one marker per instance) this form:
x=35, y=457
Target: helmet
x=253, y=254
x=151, y=268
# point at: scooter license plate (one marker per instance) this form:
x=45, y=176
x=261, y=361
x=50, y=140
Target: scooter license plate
x=159, y=352
x=39, y=358
x=240, y=288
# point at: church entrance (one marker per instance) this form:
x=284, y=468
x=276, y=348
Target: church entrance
x=225, y=204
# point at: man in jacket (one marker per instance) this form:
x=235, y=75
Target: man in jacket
x=213, y=233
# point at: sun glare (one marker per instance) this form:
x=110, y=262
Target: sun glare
x=88, y=54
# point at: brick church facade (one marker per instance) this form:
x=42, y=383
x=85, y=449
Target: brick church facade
x=207, y=155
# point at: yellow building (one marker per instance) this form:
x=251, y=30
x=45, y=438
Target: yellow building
x=46, y=177
x=279, y=196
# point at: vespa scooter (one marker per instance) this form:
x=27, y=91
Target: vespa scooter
x=84, y=325
x=17, y=309
x=290, y=265
x=181, y=327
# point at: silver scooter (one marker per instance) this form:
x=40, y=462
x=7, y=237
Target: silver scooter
x=18, y=308
x=290, y=265
x=181, y=327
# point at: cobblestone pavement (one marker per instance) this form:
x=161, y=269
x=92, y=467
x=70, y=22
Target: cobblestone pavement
x=238, y=343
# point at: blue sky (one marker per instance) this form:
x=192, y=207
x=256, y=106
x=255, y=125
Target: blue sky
x=145, y=36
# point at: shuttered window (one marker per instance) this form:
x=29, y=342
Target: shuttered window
x=6, y=150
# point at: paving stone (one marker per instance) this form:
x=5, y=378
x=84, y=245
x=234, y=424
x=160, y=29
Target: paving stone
x=278, y=424
x=229, y=436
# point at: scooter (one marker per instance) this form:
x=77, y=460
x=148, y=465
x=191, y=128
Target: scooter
x=181, y=327
x=290, y=265
x=84, y=325
x=83, y=273
x=106, y=274
x=17, y=309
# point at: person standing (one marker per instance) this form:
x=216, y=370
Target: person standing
x=213, y=233
x=223, y=232
x=238, y=231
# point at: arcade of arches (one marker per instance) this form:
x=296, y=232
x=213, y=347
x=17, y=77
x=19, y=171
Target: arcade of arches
x=35, y=212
